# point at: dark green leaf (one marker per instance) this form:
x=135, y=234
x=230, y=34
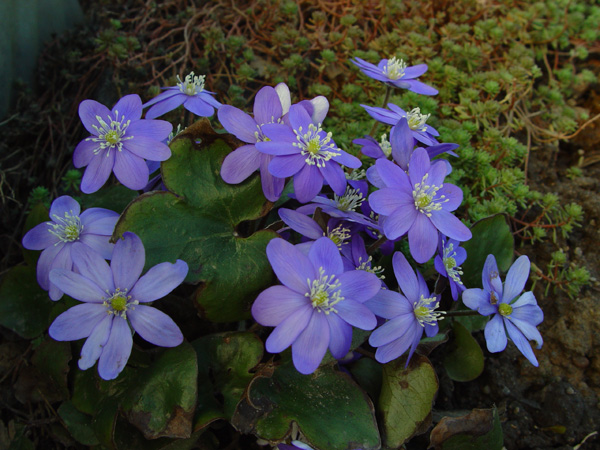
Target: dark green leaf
x=51, y=359
x=197, y=222
x=224, y=363
x=464, y=358
x=406, y=399
x=490, y=236
x=163, y=398
x=331, y=411
x=24, y=306
x=78, y=424
x=368, y=374
x=114, y=198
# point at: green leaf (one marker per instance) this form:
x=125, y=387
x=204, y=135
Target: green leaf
x=464, y=358
x=51, y=359
x=224, y=362
x=480, y=429
x=368, y=373
x=406, y=399
x=491, y=235
x=161, y=403
x=198, y=222
x=24, y=306
x=331, y=411
x=78, y=424
x=114, y=198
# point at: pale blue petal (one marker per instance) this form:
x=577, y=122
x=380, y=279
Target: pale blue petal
x=77, y=322
x=92, y=348
x=310, y=347
x=115, y=353
x=159, y=281
x=155, y=326
x=128, y=261
x=277, y=303
x=495, y=334
x=288, y=331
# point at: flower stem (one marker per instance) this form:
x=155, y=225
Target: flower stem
x=461, y=313
x=375, y=245
x=385, y=101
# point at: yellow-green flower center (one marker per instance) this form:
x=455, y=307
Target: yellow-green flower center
x=118, y=302
x=416, y=120
x=110, y=134
x=324, y=292
x=112, y=137
x=339, y=235
x=425, y=314
x=394, y=68
x=424, y=196
x=422, y=200
x=315, y=145
x=67, y=228
x=192, y=85
x=505, y=309
x=449, y=263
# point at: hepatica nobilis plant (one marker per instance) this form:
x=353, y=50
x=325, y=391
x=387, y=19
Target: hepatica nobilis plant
x=274, y=279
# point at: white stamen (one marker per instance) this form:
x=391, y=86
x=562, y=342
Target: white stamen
x=67, y=228
x=385, y=145
x=350, y=201
x=452, y=269
x=324, y=292
x=110, y=135
x=425, y=199
x=416, y=120
x=118, y=303
x=193, y=85
x=315, y=147
x=394, y=68
x=367, y=267
x=425, y=314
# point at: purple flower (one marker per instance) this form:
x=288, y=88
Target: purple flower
x=416, y=121
x=120, y=143
x=190, y=93
x=448, y=262
x=307, y=153
x=309, y=228
x=518, y=318
x=113, y=302
x=418, y=203
x=374, y=149
x=67, y=226
x=245, y=160
x=396, y=73
x=409, y=314
x=317, y=305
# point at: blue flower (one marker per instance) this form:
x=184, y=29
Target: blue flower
x=68, y=226
x=416, y=122
x=114, y=298
x=447, y=263
x=395, y=72
x=418, y=203
x=409, y=313
x=317, y=305
x=306, y=152
x=517, y=317
x=190, y=93
x=120, y=142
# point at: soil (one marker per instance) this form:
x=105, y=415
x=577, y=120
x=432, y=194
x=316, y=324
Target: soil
x=554, y=406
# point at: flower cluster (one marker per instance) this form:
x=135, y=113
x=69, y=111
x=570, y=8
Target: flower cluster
x=339, y=218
